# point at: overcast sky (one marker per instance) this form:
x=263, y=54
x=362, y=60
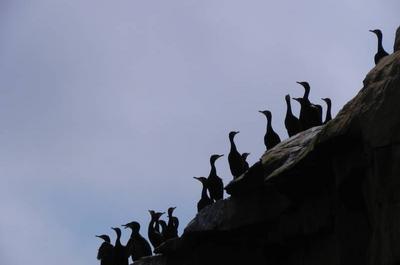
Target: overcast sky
x=109, y=108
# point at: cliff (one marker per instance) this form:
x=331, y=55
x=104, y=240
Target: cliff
x=329, y=195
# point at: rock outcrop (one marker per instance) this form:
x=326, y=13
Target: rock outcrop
x=328, y=195
x=397, y=41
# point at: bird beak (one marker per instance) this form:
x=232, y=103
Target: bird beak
x=261, y=111
x=220, y=156
x=97, y=236
x=125, y=226
x=371, y=31
x=298, y=82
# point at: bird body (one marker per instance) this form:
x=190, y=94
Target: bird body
x=137, y=245
x=172, y=225
x=310, y=114
x=381, y=53
x=155, y=236
x=106, y=251
x=120, y=252
x=328, y=116
x=215, y=184
x=292, y=123
x=235, y=160
x=271, y=138
x=205, y=200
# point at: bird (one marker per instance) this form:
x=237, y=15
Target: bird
x=271, y=138
x=121, y=255
x=172, y=225
x=309, y=113
x=235, y=160
x=137, y=245
x=292, y=123
x=328, y=116
x=215, y=184
x=244, y=157
x=205, y=199
x=381, y=51
x=155, y=236
x=106, y=251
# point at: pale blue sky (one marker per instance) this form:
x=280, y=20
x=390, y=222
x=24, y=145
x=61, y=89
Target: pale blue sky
x=109, y=108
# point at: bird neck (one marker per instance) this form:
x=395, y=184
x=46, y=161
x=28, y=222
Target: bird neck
x=289, y=108
x=269, y=123
x=134, y=233
x=328, y=112
x=380, y=46
x=204, y=194
x=118, y=240
x=306, y=93
x=213, y=171
x=233, y=145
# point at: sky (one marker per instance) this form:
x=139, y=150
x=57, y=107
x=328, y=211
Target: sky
x=110, y=108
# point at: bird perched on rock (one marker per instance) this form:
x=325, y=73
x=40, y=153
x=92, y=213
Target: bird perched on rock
x=106, y=251
x=155, y=236
x=381, y=51
x=235, y=159
x=309, y=113
x=271, y=138
x=121, y=255
x=292, y=123
x=244, y=157
x=214, y=183
x=172, y=225
x=137, y=245
x=328, y=116
x=205, y=199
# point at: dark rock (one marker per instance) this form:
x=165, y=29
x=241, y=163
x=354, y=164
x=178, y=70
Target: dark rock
x=329, y=195
x=397, y=41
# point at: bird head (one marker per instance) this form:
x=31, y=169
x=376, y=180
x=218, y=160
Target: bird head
x=267, y=113
x=287, y=97
x=327, y=100
x=170, y=211
x=117, y=231
x=377, y=32
x=232, y=134
x=106, y=238
x=135, y=226
x=305, y=84
x=300, y=100
x=245, y=155
x=201, y=179
x=213, y=158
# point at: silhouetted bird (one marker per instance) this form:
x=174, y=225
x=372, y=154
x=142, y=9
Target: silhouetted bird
x=271, y=138
x=235, y=160
x=214, y=183
x=381, y=51
x=328, y=116
x=172, y=225
x=204, y=200
x=120, y=252
x=137, y=245
x=106, y=251
x=292, y=123
x=309, y=113
x=155, y=236
x=244, y=157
